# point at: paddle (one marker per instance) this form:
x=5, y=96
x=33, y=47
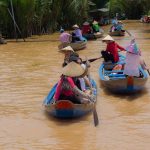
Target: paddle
x=91, y=60
x=95, y=116
x=128, y=33
x=50, y=95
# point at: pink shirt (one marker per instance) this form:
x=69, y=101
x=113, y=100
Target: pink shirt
x=132, y=65
x=67, y=93
x=65, y=37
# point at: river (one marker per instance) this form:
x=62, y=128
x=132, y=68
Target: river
x=29, y=69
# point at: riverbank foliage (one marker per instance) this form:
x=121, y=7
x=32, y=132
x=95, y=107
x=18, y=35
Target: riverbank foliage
x=46, y=16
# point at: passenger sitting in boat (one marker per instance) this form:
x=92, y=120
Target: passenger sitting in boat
x=133, y=54
x=83, y=81
x=66, y=88
x=86, y=28
x=65, y=37
x=119, y=26
x=114, y=25
x=111, y=52
x=77, y=34
x=68, y=51
x=95, y=26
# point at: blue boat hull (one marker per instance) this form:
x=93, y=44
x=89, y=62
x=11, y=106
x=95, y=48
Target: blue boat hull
x=119, y=82
x=67, y=109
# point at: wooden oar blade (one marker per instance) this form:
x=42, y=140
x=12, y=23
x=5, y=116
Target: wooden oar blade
x=93, y=59
x=95, y=116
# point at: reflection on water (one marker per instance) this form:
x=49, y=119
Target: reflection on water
x=27, y=72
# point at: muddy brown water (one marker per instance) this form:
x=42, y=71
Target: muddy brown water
x=29, y=69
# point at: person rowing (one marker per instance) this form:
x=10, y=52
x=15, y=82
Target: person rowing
x=66, y=88
x=111, y=52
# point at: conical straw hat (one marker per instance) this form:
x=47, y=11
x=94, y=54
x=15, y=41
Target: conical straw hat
x=120, y=22
x=95, y=22
x=73, y=70
x=86, y=23
x=68, y=48
x=75, y=26
x=108, y=38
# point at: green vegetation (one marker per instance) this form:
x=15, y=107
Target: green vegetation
x=132, y=8
x=46, y=16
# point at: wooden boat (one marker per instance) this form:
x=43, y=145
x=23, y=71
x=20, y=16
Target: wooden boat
x=67, y=109
x=117, y=33
x=98, y=34
x=76, y=46
x=116, y=81
x=93, y=36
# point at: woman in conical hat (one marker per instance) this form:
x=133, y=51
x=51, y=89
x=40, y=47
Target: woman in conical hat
x=67, y=51
x=95, y=26
x=66, y=88
x=111, y=52
x=77, y=34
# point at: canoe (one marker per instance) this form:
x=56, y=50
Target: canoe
x=76, y=46
x=117, y=33
x=116, y=81
x=67, y=109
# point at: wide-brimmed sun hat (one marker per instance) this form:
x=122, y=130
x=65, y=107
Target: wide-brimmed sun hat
x=133, y=48
x=75, y=26
x=108, y=38
x=67, y=48
x=73, y=70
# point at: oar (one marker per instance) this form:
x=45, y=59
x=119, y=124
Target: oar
x=128, y=33
x=95, y=116
x=91, y=60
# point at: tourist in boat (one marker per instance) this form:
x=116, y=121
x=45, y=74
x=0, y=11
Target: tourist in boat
x=67, y=51
x=84, y=81
x=95, y=26
x=119, y=26
x=65, y=37
x=86, y=28
x=111, y=52
x=77, y=34
x=133, y=60
x=66, y=88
